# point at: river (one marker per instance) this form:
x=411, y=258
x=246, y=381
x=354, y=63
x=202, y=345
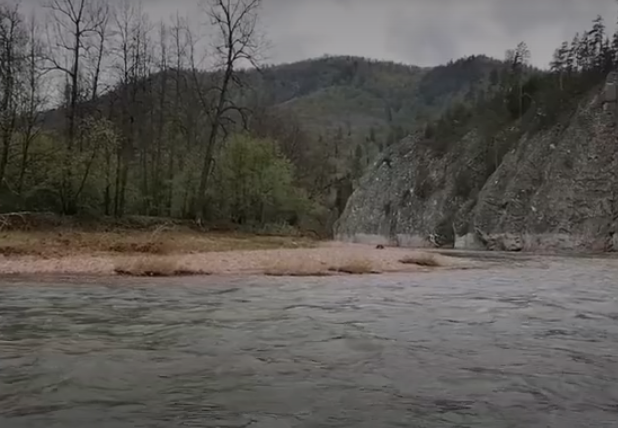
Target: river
x=527, y=345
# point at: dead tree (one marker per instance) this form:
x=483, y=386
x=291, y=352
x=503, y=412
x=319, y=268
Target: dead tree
x=33, y=97
x=74, y=24
x=13, y=40
x=239, y=43
x=97, y=49
x=131, y=28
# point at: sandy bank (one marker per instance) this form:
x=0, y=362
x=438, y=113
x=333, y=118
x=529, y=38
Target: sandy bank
x=326, y=258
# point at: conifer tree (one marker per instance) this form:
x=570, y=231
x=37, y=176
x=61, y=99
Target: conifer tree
x=574, y=56
x=597, y=49
x=559, y=62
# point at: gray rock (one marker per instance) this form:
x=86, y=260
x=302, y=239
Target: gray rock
x=469, y=241
x=553, y=190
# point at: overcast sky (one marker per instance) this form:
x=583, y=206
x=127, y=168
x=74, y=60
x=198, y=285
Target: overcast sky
x=420, y=32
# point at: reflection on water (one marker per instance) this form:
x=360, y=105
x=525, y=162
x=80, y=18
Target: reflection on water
x=527, y=347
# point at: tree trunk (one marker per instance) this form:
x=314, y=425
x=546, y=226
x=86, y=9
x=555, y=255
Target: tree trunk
x=4, y=155
x=210, y=148
x=7, y=115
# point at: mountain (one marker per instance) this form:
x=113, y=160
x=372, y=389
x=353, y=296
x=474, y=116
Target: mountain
x=325, y=94
x=361, y=94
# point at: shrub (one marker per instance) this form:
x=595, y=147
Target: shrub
x=421, y=259
x=154, y=267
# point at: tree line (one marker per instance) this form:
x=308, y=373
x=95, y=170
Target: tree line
x=593, y=51
x=105, y=112
x=524, y=98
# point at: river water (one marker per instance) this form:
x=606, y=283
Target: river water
x=521, y=346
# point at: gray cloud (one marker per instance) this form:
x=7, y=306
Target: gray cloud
x=420, y=32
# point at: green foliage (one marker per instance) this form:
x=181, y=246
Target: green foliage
x=379, y=102
x=519, y=99
x=441, y=85
x=255, y=183
x=51, y=173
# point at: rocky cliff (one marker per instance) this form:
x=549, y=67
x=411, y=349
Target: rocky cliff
x=549, y=189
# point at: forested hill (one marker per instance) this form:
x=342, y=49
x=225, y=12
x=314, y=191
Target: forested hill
x=355, y=94
x=359, y=94
x=283, y=145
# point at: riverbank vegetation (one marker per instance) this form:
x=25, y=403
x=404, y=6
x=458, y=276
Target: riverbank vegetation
x=301, y=262
x=54, y=244
x=105, y=113
x=155, y=267
x=422, y=259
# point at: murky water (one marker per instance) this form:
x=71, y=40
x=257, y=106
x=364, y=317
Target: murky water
x=527, y=347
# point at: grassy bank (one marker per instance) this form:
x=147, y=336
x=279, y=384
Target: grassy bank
x=43, y=244
x=47, y=235
x=54, y=243
x=324, y=260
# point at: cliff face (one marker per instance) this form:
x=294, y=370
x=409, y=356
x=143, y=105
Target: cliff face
x=554, y=189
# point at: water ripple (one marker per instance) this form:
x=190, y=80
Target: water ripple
x=533, y=347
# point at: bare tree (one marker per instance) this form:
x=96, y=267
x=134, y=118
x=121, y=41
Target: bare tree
x=188, y=118
x=179, y=56
x=239, y=43
x=13, y=39
x=131, y=31
x=34, y=97
x=74, y=24
x=97, y=49
x=163, y=67
x=519, y=59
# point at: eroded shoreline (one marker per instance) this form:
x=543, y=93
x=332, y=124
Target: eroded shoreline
x=326, y=258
